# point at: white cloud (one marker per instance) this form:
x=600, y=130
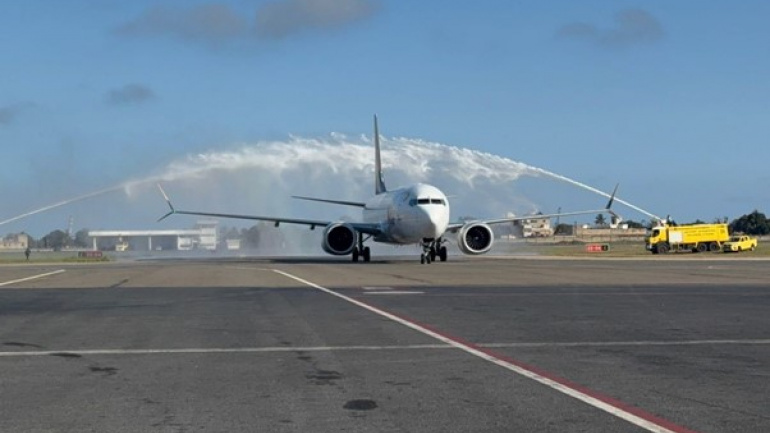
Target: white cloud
x=216, y=24
x=9, y=113
x=283, y=18
x=632, y=26
x=130, y=94
x=211, y=23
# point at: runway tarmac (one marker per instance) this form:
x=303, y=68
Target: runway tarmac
x=303, y=344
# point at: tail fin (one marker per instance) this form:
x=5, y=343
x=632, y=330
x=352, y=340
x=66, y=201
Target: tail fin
x=379, y=185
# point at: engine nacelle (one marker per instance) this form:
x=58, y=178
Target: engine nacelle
x=475, y=238
x=339, y=239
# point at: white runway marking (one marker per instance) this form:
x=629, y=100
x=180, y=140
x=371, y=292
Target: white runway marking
x=281, y=349
x=627, y=343
x=389, y=291
x=34, y=277
x=614, y=407
x=244, y=268
x=199, y=351
x=396, y=292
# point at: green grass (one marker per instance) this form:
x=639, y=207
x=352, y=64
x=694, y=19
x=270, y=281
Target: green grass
x=621, y=249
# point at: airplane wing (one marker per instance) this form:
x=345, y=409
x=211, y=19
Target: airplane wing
x=366, y=228
x=454, y=227
x=324, y=200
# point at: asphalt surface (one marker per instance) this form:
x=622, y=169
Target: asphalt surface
x=297, y=345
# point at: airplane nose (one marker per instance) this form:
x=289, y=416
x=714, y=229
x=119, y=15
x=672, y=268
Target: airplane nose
x=432, y=224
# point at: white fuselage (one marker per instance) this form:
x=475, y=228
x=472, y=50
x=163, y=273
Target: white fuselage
x=409, y=215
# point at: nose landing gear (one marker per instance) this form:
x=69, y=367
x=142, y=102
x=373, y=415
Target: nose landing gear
x=425, y=258
x=431, y=249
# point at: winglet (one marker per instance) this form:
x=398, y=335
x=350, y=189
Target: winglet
x=612, y=200
x=379, y=185
x=171, y=206
x=612, y=197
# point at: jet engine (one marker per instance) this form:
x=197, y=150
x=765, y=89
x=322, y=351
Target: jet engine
x=339, y=239
x=475, y=238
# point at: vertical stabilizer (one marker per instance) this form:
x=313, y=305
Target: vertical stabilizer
x=379, y=185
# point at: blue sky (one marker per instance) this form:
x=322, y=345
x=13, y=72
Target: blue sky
x=670, y=99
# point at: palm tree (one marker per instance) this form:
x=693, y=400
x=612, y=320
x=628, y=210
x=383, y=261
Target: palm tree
x=599, y=221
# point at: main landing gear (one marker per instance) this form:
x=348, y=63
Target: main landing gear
x=431, y=249
x=361, y=251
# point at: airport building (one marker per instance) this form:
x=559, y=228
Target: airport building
x=18, y=241
x=532, y=228
x=202, y=237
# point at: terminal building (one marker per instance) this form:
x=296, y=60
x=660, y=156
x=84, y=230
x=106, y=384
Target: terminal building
x=202, y=237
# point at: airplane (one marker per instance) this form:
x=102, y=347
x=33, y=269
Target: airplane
x=414, y=214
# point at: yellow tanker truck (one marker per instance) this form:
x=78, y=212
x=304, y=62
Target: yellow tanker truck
x=696, y=238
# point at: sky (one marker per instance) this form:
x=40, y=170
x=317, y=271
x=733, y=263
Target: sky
x=668, y=99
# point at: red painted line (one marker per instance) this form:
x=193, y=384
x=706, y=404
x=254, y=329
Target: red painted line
x=641, y=413
x=610, y=405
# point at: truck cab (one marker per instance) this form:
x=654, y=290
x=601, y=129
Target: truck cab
x=654, y=236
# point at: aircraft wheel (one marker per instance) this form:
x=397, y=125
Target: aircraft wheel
x=433, y=254
x=367, y=254
x=442, y=254
x=422, y=259
x=427, y=259
x=355, y=254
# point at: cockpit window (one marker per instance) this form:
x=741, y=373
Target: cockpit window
x=424, y=201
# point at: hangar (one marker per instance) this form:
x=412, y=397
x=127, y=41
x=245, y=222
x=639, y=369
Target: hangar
x=203, y=237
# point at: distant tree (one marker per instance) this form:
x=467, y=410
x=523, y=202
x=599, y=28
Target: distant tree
x=82, y=239
x=600, y=221
x=57, y=240
x=227, y=234
x=754, y=223
x=32, y=242
x=563, y=229
x=231, y=233
x=250, y=237
x=271, y=236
